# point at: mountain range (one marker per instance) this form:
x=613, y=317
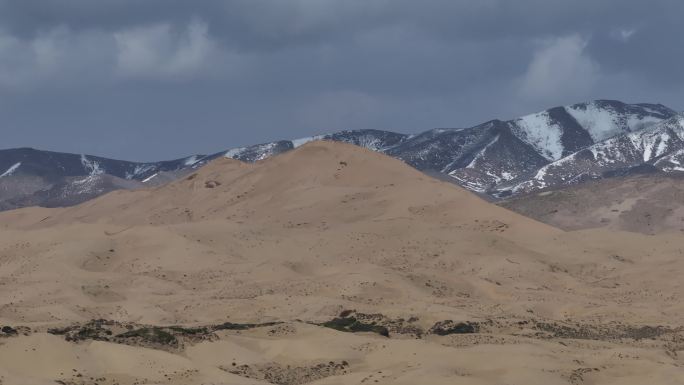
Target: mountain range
x=559, y=146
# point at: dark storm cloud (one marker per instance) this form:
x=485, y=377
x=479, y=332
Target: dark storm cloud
x=149, y=79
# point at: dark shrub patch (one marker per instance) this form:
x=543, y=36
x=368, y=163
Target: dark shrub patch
x=89, y=333
x=444, y=328
x=189, y=331
x=234, y=326
x=352, y=325
x=602, y=332
x=153, y=335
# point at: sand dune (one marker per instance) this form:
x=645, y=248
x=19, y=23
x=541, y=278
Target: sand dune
x=295, y=240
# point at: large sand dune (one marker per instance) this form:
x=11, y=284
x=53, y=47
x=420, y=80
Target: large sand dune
x=285, y=245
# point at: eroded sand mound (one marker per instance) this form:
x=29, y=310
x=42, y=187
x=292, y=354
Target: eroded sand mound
x=297, y=269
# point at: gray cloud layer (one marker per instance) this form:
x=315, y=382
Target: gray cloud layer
x=151, y=79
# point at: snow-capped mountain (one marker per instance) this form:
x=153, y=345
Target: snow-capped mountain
x=375, y=140
x=484, y=157
x=657, y=148
x=558, y=146
x=46, y=178
x=53, y=165
x=560, y=131
x=526, y=144
x=67, y=191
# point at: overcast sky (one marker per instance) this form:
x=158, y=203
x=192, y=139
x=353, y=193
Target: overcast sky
x=158, y=79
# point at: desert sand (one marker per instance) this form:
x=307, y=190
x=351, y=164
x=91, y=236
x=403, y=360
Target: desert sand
x=329, y=264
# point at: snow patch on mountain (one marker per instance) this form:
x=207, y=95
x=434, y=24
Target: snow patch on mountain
x=139, y=170
x=672, y=162
x=468, y=184
x=542, y=133
x=266, y=151
x=190, y=161
x=234, y=152
x=599, y=122
x=149, y=178
x=370, y=142
x=482, y=153
x=93, y=167
x=302, y=141
x=636, y=123
x=655, y=142
x=259, y=151
x=11, y=170
x=603, y=122
x=84, y=183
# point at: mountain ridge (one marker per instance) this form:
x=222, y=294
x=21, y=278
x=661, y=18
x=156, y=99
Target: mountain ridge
x=498, y=158
x=660, y=146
